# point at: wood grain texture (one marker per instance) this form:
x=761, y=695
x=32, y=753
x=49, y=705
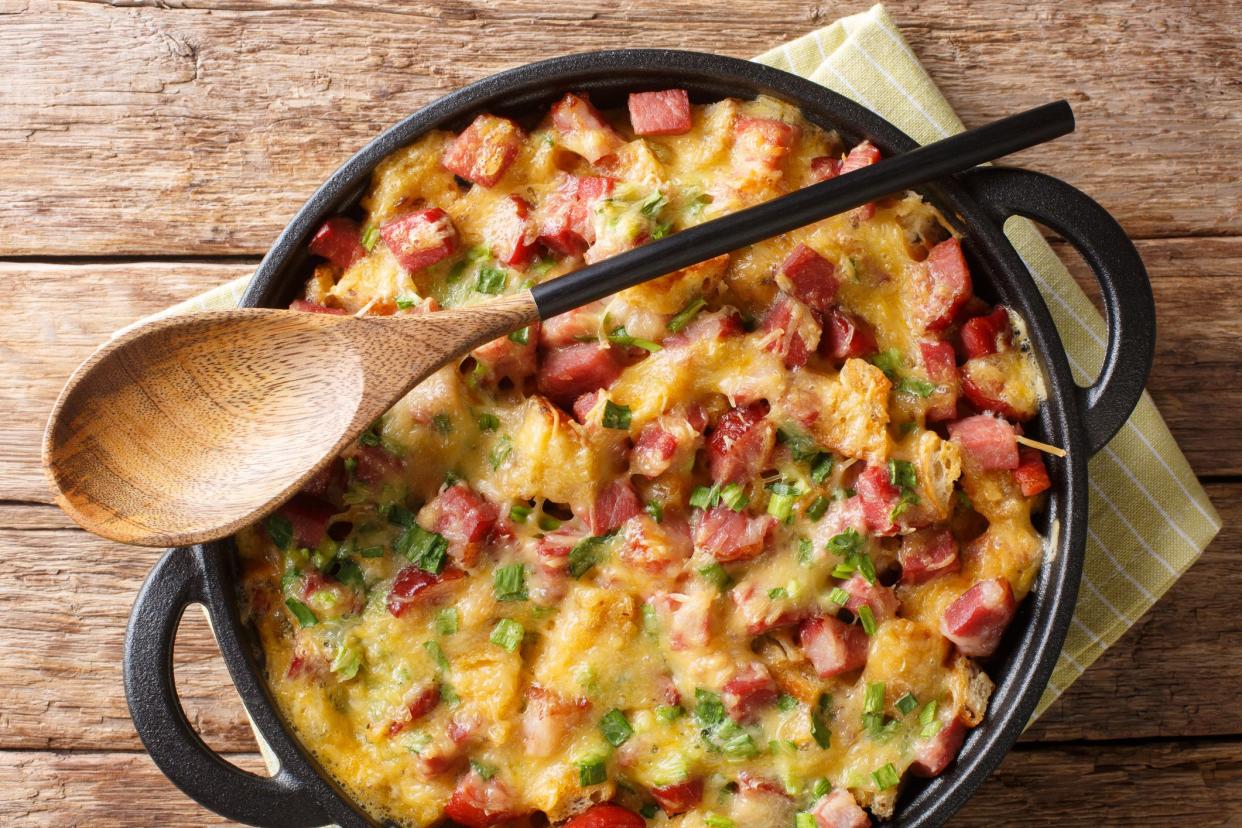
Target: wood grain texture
x=200, y=127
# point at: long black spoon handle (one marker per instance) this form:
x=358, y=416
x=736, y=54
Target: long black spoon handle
x=955, y=154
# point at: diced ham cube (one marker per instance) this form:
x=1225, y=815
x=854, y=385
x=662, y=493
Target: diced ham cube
x=996, y=382
x=941, y=364
x=985, y=335
x=941, y=286
x=329, y=482
x=314, y=307
x=418, y=703
x=935, y=754
x=862, y=155
x=881, y=599
x=761, y=611
x=607, y=815
x=653, y=450
x=421, y=238
x=832, y=646
x=749, y=690
x=727, y=535
x=927, y=553
x=839, y=810
x=463, y=517
x=879, y=498
x=583, y=129
x=740, y=444
x=375, y=465
x=660, y=113
x=548, y=717
x=567, y=373
x=339, y=241
x=481, y=803
x=309, y=517
x=760, y=144
x=679, y=798
x=846, y=336
x=510, y=232
x=795, y=330
x=760, y=802
x=1031, y=474
x=976, y=621
x=810, y=277
x=566, y=217
x=825, y=167
x=414, y=586
x=573, y=326
x=708, y=327
x=989, y=442
x=484, y=150
x=506, y=359
x=614, y=505
x=655, y=546
x=584, y=405
x=686, y=616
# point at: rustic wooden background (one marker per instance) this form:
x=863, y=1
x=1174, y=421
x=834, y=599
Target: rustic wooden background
x=153, y=148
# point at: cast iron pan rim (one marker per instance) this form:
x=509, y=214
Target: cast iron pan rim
x=1026, y=667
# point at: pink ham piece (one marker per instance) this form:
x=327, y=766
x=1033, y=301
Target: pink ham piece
x=565, y=374
x=314, y=307
x=839, y=810
x=414, y=586
x=583, y=129
x=660, y=113
x=926, y=554
x=686, y=616
x=506, y=359
x=309, y=517
x=510, y=232
x=566, y=218
x=832, y=646
x=796, y=330
x=862, y=155
x=728, y=536
x=760, y=144
x=1031, y=473
x=421, y=238
x=881, y=599
x=481, y=803
x=420, y=703
x=750, y=689
x=463, y=517
x=942, y=286
x=809, y=277
x=976, y=621
x=761, y=611
x=825, y=167
x=548, y=717
x=846, y=336
x=935, y=754
x=339, y=241
x=679, y=798
x=993, y=383
x=655, y=546
x=614, y=505
x=607, y=815
x=375, y=465
x=484, y=150
x=990, y=442
x=985, y=335
x=941, y=364
x=879, y=498
x=708, y=327
x=740, y=444
x=653, y=450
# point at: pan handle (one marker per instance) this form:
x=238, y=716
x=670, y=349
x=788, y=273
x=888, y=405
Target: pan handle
x=1129, y=308
x=278, y=801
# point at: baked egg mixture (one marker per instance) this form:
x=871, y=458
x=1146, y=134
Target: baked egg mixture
x=719, y=551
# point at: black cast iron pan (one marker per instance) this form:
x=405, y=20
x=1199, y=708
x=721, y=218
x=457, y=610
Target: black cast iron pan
x=1079, y=419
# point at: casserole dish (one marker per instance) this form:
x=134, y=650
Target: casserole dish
x=1080, y=420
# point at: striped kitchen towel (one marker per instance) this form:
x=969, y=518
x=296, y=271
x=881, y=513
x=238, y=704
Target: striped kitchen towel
x=1149, y=517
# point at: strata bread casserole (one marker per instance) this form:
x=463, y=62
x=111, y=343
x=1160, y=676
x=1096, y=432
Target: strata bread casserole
x=719, y=551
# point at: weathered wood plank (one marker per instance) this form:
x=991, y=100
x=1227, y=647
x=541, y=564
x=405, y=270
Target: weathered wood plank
x=67, y=597
x=201, y=127
x=1185, y=783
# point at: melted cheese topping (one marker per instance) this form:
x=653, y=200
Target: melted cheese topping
x=655, y=629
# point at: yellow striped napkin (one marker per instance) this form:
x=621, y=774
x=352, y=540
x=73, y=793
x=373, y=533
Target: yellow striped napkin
x=1149, y=518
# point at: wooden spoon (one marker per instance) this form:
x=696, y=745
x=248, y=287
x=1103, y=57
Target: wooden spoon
x=191, y=427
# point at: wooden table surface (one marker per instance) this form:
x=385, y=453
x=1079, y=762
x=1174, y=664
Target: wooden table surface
x=152, y=149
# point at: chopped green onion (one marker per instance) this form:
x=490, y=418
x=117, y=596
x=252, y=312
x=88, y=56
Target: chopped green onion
x=733, y=741
x=649, y=810
x=908, y=498
x=806, y=551
x=548, y=523
x=491, y=280
x=652, y=204
x=705, y=498
x=820, y=787
x=442, y=423
x=682, y=318
x=734, y=496
x=518, y=513
x=509, y=583
x=888, y=361
x=902, y=474
x=778, y=593
x=786, y=702
x=656, y=509
x=867, y=619
x=398, y=515
x=427, y=550
x=542, y=266
x=804, y=820
x=839, y=596
x=521, y=336
x=846, y=543
x=708, y=709
x=584, y=555
x=507, y=634
x=886, y=777
x=717, y=821
x=621, y=338
x=660, y=231
x=819, y=726
x=448, y=695
x=916, y=387
x=280, y=530
x=716, y=575
x=821, y=467
x=500, y=453
x=447, y=621
x=592, y=772
x=907, y=703
x=406, y=302
x=349, y=573
x=346, y=663
x=668, y=713
x=303, y=613
x=817, y=508
x=484, y=770
x=842, y=571
x=369, y=437
x=488, y=421
x=651, y=622
x=873, y=700
x=780, y=506
x=927, y=720
x=615, y=727
x=372, y=552
x=370, y=235
x=801, y=446
x=351, y=464
x=437, y=654
x=616, y=416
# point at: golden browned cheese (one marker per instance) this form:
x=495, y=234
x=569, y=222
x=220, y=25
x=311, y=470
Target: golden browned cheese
x=653, y=627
